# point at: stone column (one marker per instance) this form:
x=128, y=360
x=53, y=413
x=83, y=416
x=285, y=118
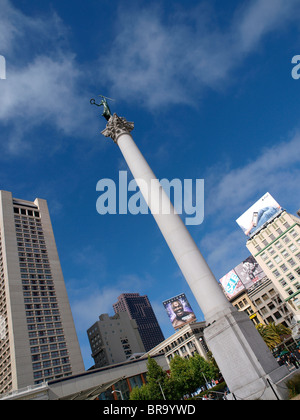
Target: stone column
x=240, y=352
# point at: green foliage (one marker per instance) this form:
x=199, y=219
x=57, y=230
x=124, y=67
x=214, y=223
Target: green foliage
x=186, y=376
x=294, y=386
x=273, y=334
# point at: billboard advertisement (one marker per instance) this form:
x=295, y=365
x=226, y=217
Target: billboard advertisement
x=231, y=284
x=249, y=272
x=257, y=215
x=179, y=311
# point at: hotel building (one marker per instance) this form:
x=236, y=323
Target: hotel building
x=38, y=341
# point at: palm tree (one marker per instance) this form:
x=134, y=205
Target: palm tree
x=272, y=334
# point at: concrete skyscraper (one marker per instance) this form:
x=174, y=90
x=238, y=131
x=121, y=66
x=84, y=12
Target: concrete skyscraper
x=139, y=308
x=38, y=341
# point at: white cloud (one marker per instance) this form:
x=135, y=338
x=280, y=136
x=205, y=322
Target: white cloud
x=275, y=170
x=228, y=195
x=43, y=82
x=160, y=61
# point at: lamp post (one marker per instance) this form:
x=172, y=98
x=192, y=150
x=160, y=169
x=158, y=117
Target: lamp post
x=120, y=392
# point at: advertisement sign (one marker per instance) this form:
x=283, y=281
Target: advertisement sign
x=255, y=217
x=249, y=272
x=231, y=284
x=179, y=311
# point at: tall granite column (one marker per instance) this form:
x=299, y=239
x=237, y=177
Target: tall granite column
x=245, y=361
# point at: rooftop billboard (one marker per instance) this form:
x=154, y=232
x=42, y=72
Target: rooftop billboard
x=231, y=284
x=179, y=311
x=258, y=214
x=242, y=277
x=249, y=272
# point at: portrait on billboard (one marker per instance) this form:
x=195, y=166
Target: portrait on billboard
x=257, y=215
x=249, y=272
x=179, y=311
x=231, y=284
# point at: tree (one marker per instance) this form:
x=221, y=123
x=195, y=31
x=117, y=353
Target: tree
x=272, y=334
x=186, y=376
x=157, y=380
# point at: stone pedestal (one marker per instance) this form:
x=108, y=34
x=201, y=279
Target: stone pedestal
x=249, y=368
x=244, y=359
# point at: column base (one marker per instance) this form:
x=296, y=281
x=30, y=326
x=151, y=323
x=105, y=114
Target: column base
x=248, y=367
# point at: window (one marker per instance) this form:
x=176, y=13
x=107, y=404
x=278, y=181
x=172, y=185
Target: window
x=277, y=259
x=292, y=247
x=271, y=251
x=285, y=254
x=283, y=282
x=293, y=233
x=291, y=277
x=264, y=256
x=284, y=268
x=291, y=262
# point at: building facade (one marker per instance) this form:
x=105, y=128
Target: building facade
x=186, y=342
x=264, y=305
x=38, y=337
x=114, y=339
x=139, y=308
x=276, y=247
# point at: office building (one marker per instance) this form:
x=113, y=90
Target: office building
x=276, y=247
x=264, y=305
x=38, y=337
x=139, y=308
x=114, y=339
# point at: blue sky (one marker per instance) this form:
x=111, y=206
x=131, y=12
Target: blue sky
x=209, y=87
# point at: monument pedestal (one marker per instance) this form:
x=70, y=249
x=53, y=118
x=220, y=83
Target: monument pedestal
x=249, y=369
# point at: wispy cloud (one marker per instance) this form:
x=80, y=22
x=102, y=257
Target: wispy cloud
x=161, y=61
x=276, y=170
x=43, y=84
x=230, y=193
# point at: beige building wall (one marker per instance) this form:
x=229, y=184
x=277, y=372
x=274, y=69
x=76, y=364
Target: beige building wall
x=39, y=341
x=186, y=342
x=114, y=339
x=276, y=248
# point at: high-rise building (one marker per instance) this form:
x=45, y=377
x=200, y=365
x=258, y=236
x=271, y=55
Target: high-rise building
x=38, y=341
x=139, y=308
x=276, y=247
x=113, y=339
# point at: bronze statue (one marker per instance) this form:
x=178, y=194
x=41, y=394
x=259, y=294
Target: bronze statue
x=106, y=110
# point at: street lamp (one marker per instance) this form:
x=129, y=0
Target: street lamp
x=116, y=390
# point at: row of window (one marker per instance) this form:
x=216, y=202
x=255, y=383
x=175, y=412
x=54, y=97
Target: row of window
x=26, y=212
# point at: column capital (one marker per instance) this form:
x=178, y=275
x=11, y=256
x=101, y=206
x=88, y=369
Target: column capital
x=117, y=126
